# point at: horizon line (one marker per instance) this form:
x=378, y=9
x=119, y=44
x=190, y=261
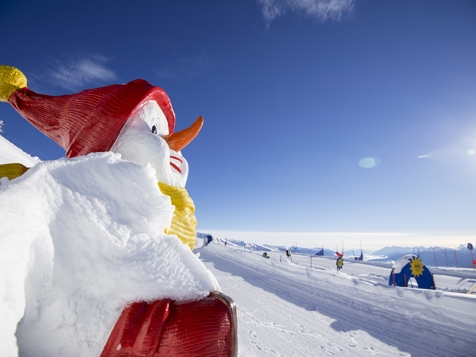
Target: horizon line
x=371, y=240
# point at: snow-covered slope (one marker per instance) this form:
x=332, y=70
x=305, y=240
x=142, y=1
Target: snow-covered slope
x=291, y=309
x=435, y=256
x=10, y=153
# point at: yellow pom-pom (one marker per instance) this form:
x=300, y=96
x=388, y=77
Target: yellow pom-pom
x=11, y=79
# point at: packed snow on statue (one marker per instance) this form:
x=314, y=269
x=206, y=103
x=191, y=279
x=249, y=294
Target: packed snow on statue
x=78, y=241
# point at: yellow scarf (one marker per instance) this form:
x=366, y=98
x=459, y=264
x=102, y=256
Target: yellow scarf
x=183, y=223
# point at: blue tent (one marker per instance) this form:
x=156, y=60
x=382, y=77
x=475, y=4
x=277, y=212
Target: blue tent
x=410, y=266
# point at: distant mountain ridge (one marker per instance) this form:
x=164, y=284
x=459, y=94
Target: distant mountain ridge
x=433, y=256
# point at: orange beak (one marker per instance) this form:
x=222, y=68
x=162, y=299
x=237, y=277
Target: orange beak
x=177, y=141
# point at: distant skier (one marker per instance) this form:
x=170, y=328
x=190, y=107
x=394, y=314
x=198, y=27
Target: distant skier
x=265, y=255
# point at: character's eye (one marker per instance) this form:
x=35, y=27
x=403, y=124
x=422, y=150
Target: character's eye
x=154, y=129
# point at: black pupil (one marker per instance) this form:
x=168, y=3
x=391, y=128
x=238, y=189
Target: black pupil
x=154, y=129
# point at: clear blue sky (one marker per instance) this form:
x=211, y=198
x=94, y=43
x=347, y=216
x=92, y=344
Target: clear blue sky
x=294, y=96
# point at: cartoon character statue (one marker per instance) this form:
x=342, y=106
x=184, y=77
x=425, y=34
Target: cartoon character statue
x=339, y=263
x=137, y=121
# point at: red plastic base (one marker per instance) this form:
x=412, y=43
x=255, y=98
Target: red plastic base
x=207, y=327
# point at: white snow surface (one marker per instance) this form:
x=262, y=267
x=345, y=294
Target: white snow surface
x=10, y=153
x=79, y=240
x=291, y=309
x=402, y=262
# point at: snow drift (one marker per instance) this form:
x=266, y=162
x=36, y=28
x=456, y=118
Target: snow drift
x=79, y=240
x=13, y=154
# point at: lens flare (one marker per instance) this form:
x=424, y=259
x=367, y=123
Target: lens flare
x=369, y=162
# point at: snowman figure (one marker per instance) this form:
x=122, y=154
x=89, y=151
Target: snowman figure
x=137, y=121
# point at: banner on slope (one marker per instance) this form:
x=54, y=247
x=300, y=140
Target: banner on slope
x=411, y=266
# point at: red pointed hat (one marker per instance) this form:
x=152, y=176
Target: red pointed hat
x=91, y=120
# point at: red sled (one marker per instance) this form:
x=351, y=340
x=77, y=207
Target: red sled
x=207, y=327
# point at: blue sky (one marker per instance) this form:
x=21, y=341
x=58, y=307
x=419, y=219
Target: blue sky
x=332, y=120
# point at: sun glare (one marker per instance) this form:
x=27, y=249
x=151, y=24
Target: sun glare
x=369, y=162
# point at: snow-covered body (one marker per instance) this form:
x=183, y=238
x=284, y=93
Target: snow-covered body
x=81, y=238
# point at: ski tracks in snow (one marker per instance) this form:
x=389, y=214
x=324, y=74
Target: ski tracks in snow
x=284, y=310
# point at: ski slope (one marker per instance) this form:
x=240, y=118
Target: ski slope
x=290, y=309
